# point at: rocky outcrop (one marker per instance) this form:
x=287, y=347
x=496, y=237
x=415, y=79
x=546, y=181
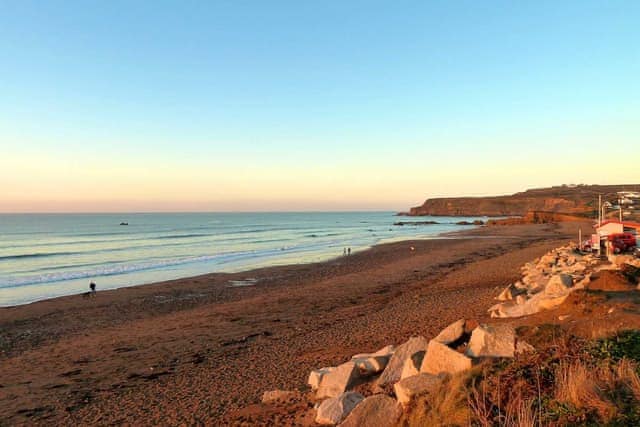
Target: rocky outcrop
x=572, y=200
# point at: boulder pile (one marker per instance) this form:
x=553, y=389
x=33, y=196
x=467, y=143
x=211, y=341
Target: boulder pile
x=399, y=374
x=546, y=282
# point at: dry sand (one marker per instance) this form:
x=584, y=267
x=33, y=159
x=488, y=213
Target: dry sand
x=197, y=350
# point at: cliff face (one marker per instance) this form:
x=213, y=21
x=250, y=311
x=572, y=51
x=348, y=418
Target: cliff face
x=577, y=200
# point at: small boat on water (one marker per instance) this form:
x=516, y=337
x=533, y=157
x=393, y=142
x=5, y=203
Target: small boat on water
x=124, y=223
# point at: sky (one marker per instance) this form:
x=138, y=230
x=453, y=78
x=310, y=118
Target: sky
x=311, y=105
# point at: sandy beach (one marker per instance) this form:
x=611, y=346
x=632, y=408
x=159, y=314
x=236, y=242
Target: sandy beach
x=200, y=350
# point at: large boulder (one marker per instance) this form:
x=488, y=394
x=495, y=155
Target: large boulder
x=316, y=376
x=408, y=388
x=338, y=380
x=451, y=333
x=412, y=365
x=393, y=371
x=442, y=359
x=332, y=411
x=378, y=410
x=492, y=341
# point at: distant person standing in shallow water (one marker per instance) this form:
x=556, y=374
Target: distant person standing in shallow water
x=344, y=252
x=92, y=286
x=348, y=251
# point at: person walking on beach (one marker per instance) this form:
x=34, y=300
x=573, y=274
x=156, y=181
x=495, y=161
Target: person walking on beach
x=92, y=286
x=348, y=251
x=344, y=252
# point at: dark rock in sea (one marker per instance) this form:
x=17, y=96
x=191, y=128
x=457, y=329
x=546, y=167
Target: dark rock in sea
x=124, y=223
x=478, y=222
x=402, y=223
x=464, y=223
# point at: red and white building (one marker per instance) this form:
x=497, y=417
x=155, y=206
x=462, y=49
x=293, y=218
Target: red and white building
x=615, y=227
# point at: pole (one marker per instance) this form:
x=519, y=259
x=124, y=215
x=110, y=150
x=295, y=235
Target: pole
x=620, y=213
x=599, y=210
x=580, y=239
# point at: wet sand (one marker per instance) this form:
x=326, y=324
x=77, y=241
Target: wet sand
x=197, y=350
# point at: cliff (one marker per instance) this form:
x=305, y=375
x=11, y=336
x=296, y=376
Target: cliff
x=578, y=200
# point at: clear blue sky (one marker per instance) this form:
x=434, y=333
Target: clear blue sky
x=252, y=105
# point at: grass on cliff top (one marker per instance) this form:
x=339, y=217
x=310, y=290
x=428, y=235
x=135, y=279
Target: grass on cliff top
x=567, y=381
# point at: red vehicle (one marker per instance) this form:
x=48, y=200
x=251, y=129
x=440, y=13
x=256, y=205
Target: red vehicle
x=622, y=242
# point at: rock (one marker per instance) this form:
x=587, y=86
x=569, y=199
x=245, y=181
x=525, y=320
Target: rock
x=378, y=410
x=410, y=387
x=393, y=371
x=584, y=282
x=373, y=363
x=316, y=376
x=521, y=299
x=412, y=365
x=559, y=285
x=492, y=341
x=442, y=359
x=337, y=381
x=332, y=411
x=549, y=259
x=279, y=396
x=510, y=292
x=549, y=303
x=536, y=303
x=451, y=333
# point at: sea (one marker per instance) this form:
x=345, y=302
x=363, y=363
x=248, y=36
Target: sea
x=50, y=255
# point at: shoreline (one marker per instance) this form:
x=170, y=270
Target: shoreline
x=197, y=351
x=443, y=235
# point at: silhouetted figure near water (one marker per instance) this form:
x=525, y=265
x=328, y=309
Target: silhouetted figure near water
x=92, y=286
x=344, y=252
x=348, y=251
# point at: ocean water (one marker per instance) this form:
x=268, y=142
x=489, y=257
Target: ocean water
x=48, y=255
